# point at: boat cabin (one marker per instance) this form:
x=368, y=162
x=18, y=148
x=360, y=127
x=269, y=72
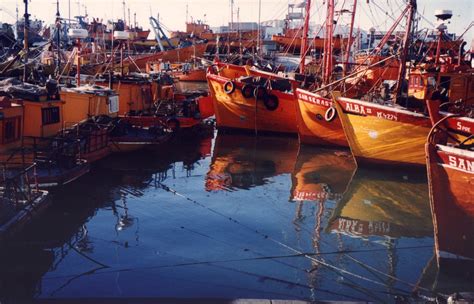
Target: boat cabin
x=453, y=86
x=11, y=124
x=80, y=104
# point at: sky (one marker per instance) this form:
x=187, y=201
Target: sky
x=376, y=13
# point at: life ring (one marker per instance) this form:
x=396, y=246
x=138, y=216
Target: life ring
x=173, y=124
x=247, y=90
x=271, y=102
x=229, y=87
x=330, y=114
x=259, y=93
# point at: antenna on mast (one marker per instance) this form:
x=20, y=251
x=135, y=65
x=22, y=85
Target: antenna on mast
x=58, y=37
x=124, y=14
x=231, y=15
x=186, y=13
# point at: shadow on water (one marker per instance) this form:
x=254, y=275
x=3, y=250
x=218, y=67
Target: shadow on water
x=229, y=217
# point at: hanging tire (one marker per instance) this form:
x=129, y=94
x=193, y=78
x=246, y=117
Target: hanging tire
x=229, y=87
x=259, y=93
x=247, y=90
x=173, y=124
x=271, y=102
x=330, y=114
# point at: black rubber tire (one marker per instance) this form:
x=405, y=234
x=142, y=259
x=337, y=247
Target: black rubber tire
x=229, y=87
x=259, y=93
x=271, y=102
x=247, y=90
x=173, y=124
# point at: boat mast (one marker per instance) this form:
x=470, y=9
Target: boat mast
x=328, y=63
x=349, y=42
x=58, y=37
x=124, y=14
x=406, y=46
x=304, y=44
x=231, y=15
x=26, y=48
x=69, y=12
x=258, y=26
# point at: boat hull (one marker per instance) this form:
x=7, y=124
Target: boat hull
x=313, y=128
x=382, y=134
x=175, y=55
x=237, y=112
x=451, y=180
x=198, y=75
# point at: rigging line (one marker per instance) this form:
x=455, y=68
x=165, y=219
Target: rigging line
x=68, y=282
x=263, y=257
x=248, y=273
x=266, y=236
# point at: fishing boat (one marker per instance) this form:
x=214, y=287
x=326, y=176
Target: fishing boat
x=252, y=100
x=28, y=135
x=318, y=123
x=138, y=63
x=20, y=198
x=393, y=131
x=450, y=176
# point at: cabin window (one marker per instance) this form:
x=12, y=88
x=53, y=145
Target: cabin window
x=50, y=115
x=11, y=130
x=113, y=104
x=431, y=81
x=445, y=82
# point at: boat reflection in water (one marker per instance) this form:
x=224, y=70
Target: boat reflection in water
x=242, y=161
x=321, y=174
x=381, y=203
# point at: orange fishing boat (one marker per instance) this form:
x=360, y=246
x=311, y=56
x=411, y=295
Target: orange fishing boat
x=317, y=121
x=451, y=178
x=373, y=205
x=200, y=30
x=181, y=71
x=56, y=165
x=252, y=100
x=241, y=161
x=321, y=174
x=174, y=55
x=197, y=74
x=153, y=102
x=293, y=43
x=386, y=134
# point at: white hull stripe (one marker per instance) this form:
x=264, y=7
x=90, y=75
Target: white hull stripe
x=452, y=256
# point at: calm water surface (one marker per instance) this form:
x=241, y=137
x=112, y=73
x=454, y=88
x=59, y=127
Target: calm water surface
x=229, y=216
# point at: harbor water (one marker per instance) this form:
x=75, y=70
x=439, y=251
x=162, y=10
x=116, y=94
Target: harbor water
x=228, y=216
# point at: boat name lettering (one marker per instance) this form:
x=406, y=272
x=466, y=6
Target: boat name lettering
x=359, y=109
x=461, y=127
x=315, y=100
x=387, y=116
x=461, y=163
x=363, y=227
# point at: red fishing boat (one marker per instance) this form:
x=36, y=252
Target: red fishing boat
x=252, y=100
x=451, y=179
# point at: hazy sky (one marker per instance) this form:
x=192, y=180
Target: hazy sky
x=378, y=13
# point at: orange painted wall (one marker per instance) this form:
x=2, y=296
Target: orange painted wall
x=15, y=110
x=33, y=125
